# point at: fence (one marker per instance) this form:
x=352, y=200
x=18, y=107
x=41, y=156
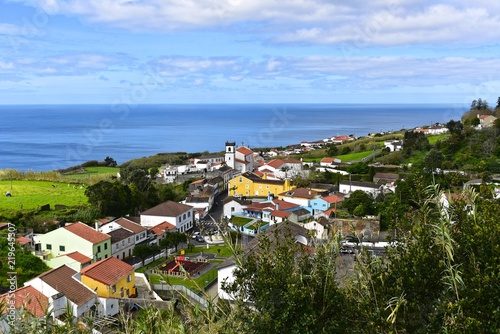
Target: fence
x=182, y=289
x=151, y=259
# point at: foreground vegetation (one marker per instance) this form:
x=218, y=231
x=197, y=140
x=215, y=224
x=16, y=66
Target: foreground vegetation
x=441, y=276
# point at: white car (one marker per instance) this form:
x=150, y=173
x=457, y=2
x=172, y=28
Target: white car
x=195, y=235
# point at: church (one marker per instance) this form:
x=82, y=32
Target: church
x=240, y=159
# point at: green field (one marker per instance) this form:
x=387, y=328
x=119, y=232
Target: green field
x=354, y=156
x=33, y=194
x=434, y=139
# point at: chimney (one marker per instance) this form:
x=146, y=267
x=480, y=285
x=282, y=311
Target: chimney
x=97, y=225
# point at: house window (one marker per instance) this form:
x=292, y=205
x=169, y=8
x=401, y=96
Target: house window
x=241, y=179
x=123, y=242
x=62, y=248
x=99, y=249
x=136, y=238
x=106, y=245
x=113, y=288
x=129, y=278
x=49, y=246
x=184, y=216
x=189, y=214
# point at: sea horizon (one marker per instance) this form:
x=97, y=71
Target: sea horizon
x=70, y=134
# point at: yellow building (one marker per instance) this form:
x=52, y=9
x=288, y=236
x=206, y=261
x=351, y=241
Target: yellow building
x=110, y=278
x=250, y=184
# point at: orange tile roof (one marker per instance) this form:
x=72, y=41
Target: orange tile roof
x=244, y=150
x=79, y=257
x=86, y=232
x=29, y=299
x=108, y=271
x=328, y=160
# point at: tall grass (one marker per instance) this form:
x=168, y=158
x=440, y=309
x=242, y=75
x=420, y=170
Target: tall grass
x=90, y=177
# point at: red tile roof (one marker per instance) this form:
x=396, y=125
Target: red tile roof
x=23, y=241
x=108, y=271
x=86, y=232
x=332, y=199
x=161, y=228
x=29, y=299
x=61, y=279
x=328, y=160
x=79, y=257
x=280, y=214
x=244, y=150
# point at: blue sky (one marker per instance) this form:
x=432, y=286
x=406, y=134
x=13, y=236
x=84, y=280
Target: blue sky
x=249, y=51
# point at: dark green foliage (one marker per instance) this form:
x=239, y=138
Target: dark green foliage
x=112, y=198
x=172, y=239
x=359, y=203
x=291, y=291
x=433, y=160
x=25, y=264
x=414, y=141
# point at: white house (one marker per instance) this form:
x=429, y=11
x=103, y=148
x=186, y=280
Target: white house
x=233, y=205
x=329, y=162
x=283, y=168
x=178, y=214
x=348, y=187
x=63, y=287
x=140, y=232
x=299, y=196
x=393, y=145
x=318, y=227
x=437, y=129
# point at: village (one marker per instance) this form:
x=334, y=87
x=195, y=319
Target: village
x=95, y=268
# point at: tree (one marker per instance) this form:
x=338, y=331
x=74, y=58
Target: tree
x=143, y=251
x=433, y=160
x=111, y=198
x=359, y=197
x=173, y=239
x=287, y=289
x=110, y=162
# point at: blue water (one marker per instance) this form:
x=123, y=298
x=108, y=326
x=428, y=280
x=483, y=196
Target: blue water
x=47, y=137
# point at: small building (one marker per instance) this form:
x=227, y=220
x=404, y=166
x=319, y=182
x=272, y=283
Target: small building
x=178, y=214
x=348, y=187
x=393, y=145
x=382, y=178
x=76, y=237
x=110, y=278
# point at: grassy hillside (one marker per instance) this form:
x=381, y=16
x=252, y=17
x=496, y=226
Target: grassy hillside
x=34, y=194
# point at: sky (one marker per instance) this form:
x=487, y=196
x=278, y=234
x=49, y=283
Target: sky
x=249, y=51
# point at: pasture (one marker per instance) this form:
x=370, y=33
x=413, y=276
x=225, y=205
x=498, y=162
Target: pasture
x=29, y=195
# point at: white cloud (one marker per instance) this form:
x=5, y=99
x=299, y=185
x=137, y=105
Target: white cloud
x=10, y=29
x=382, y=22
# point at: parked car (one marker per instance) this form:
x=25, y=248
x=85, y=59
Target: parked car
x=199, y=238
x=195, y=235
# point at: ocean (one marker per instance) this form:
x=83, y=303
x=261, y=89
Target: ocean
x=49, y=137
